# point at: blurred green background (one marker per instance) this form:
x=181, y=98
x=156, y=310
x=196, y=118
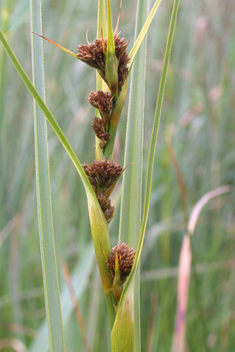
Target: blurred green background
x=198, y=115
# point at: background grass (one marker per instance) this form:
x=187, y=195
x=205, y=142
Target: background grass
x=198, y=114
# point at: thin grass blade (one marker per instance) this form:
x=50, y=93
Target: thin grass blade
x=101, y=22
x=143, y=32
x=123, y=306
x=45, y=220
x=130, y=220
x=5, y=18
x=155, y=128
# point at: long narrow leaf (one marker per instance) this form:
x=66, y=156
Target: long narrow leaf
x=130, y=220
x=143, y=32
x=45, y=220
x=99, y=228
x=155, y=128
x=123, y=309
x=5, y=14
x=101, y=22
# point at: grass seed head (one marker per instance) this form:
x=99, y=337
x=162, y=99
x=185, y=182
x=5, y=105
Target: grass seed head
x=94, y=55
x=106, y=207
x=101, y=100
x=126, y=256
x=123, y=59
x=99, y=129
x=103, y=175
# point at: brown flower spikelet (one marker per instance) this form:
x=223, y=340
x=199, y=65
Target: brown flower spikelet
x=126, y=256
x=122, y=70
x=99, y=129
x=94, y=56
x=103, y=175
x=101, y=100
x=120, y=50
x=106, y=207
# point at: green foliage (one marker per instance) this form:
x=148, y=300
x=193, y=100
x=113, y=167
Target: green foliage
x=45, y=220
x=126, y=307
x=99, y=228
x=198, y=116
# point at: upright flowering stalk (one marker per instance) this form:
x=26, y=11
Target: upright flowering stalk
x=108, y=55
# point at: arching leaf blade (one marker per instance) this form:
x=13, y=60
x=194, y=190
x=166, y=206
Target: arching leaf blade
x=98, y=222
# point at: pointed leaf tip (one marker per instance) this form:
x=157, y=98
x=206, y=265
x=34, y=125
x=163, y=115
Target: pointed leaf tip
x=111, y=65
x=58, y=45
x=117, y=283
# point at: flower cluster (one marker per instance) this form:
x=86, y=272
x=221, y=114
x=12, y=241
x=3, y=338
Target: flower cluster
x=94, y=55
x=126, y=256
x=109, y=57
x=98, y=126
x=103, y=176
x=103, y=101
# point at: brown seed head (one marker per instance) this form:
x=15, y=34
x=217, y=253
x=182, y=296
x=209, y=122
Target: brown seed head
x=103, y=175
x=120, y=46
x=124, y=59
x=106, y=207
x=123, y=69
x=94, y=55
x=99, y=129
x=101, y=100
x=126, y=256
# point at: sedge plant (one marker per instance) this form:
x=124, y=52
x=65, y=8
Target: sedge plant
x=114, y=63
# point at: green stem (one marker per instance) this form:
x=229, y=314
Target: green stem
x=108, y=150
x=5, y=22
x=111, y=303
x=114, y=119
